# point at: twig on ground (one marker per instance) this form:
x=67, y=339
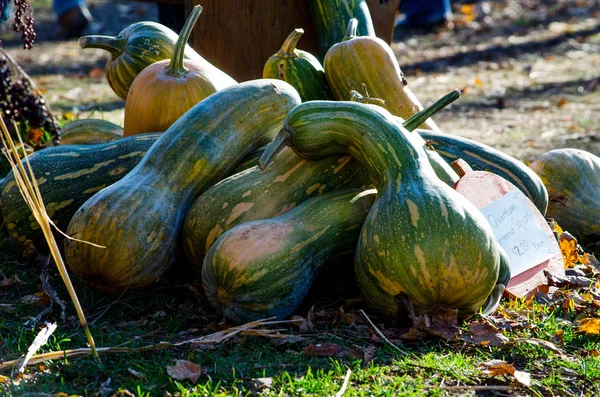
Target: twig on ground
x=40, y=340
x=382, y=335
x=345, y=384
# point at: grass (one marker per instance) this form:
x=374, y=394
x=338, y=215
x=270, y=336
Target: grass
x=177, y=312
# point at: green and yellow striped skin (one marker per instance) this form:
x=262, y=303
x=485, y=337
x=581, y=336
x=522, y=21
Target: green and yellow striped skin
x=89, y=132
x=262, y=194
x=299, y=68
x=358, y=60
x=139, y=218
x=332, y=16
x=485, y=158
x=67, y=176
x=265, y=268
x=421, y=237
x=572, y=177
x=136, y=47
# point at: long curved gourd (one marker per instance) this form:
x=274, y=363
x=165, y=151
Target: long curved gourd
x=257, y=194
x=89, y=132
x=572, y=177
x=139, y=218
x=265, y=268
x=136, y=47
x=67, y=175
x=165, y=90
x=299, y=68
x=260, y=194
x=485, y=158
x=358, y=60
x=331, y=16
x=421, y=237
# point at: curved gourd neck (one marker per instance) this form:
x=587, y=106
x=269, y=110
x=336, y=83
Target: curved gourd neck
x=288, y=49
x=176, y=67
x=113, y=44
x=351, y=29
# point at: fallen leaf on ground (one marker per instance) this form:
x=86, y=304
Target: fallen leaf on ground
x=186, y=370
x=37, y=299
x=501, y=367
x=538, y=342
x=444, y=323
x=589, y=326
x=96, y=73
x=482, y=332
x=368, y=354
x=558, y=337
x=8, y=281
x=557, y=280
x=303, y=324
x=259, y=384
x=325, y=350
x=135, y=373
x=341, y=317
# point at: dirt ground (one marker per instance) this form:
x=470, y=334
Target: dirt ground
x=529, y=69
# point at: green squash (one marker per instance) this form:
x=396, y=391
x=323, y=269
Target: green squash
x=299, y=68
x=265, y=268
x=136, y=47
x=485, y=158
x=572, y=177
x=421, y=237
x=68, y=175
x=332, y=16
x=139, y=218
x=262, y=194
x=89, y=132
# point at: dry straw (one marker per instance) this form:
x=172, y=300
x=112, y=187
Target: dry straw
x=28, y=187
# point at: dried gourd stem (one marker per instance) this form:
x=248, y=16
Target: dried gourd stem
x=381, y=334
x=25, y=180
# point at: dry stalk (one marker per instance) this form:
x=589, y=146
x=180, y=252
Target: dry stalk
x=25, y=180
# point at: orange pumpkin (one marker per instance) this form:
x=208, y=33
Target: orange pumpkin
x=165, y=90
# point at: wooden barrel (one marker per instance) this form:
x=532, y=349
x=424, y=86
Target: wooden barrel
x=238, y=36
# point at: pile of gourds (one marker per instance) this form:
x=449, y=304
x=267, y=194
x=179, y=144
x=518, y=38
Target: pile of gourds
x=259, y=185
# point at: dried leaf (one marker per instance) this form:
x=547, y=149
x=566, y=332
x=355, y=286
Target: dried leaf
x=341, y=317
x=368, y=354
x=135, y=373
x=8, y=281
x=184, y=369
x=260, y=384
x=96, y=73
x=444, y=323
x=558, y=337
x=304, y=324
x=325, y=350
x=484, y=333
x=500, y=367
x=539, y=342
x=561, y=102
x=557, y=280
x=37, y=299
x=589, y=326
x=568, y=247
x=523, y=378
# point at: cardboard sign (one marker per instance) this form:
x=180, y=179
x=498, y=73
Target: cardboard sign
x=517, y=230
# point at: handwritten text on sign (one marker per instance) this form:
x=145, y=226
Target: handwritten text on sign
x=517, y=230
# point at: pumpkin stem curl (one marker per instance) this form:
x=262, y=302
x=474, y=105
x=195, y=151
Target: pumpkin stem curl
x=416, y=120
x=288, y=49
x=176, y=66
x=282, y=139
x=113, y=44
x=351, y=30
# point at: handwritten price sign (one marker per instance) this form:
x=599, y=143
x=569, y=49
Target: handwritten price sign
x=518, y=232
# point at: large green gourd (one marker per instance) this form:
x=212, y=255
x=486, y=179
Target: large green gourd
x=358, y=61
x=485, y=158
x=139, y=218
x=331, y=17
x=137, y=46
x=299, y=68
x=67, y=176
x=262, y=194
x=89, y=132
x=265, y=268
x=572, y=177
x=421, y=237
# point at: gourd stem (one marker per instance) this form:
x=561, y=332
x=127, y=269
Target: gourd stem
x=355, y=96
x=289, y=45
x=176, y=66
x=351, y=30
x=282, y=139
x=113, y=44
x=461, y=167
x=417, y=119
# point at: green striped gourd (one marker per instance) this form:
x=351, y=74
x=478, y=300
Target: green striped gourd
x=331, y=16
x=260, y=194
x=265, y=268
x=89, y=132
x=485, y=158
x=139, y=218
x=257, y=194
x=67, y=175
x=299, y=68
x=572, y=177
x=421, y=237
x=364, y=60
